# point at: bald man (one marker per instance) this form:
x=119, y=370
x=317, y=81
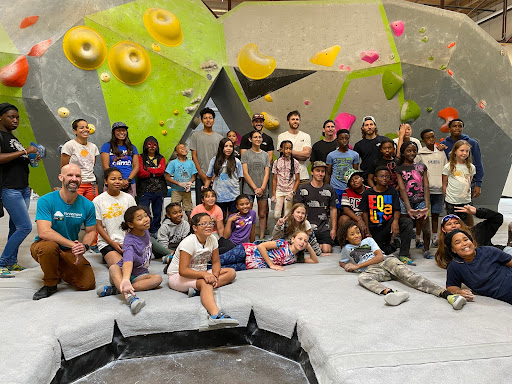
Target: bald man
x=59, y=217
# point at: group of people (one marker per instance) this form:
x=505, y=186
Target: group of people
x=367, y=199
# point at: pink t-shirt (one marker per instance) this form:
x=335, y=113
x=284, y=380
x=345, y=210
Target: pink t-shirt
x=215, y=213
x=282, y=167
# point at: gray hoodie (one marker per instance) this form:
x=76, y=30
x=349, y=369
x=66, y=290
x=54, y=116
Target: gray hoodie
x=435, y=162
x=170, y=234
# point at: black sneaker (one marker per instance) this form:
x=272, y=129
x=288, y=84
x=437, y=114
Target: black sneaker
x=45, y=292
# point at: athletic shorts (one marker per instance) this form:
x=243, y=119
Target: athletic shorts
x=436, y=204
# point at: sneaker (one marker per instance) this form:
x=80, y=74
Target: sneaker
x=5, y=273
x=406, y=260
x=435, y=243
x=221, y=320
x=396, y=297
x=94, y=249
x=107, y=290
x=192, y=292
x=457, y=301
x=135, y=303
x=428, y=255
x=44, y=292
x=419, y=244
x=15, y=267
x=166, y=259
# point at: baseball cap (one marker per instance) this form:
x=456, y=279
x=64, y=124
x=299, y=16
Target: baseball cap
x=257, y=116
x=318, y=164
x=366, y=118
x=351, y=172
x=119, y=124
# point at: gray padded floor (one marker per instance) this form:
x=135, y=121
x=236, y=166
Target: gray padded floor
x=351, y=336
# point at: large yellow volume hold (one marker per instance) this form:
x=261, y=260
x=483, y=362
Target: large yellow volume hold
x=253, y=64
x=271, y=122
x=163, y=26
x=84, y=48
x=129, y=62
x=326, y=57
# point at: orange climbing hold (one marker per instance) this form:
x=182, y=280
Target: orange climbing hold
x=28, y=21
x=450, y=72
x=15, y=74
x=451, y=45
x=38, y=49
x=448, y=114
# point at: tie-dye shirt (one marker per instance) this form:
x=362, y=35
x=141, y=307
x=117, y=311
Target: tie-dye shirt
x=282, y=255
x=412, y=175
x=227, y=188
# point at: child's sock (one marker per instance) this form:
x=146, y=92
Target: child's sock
x=445, y=294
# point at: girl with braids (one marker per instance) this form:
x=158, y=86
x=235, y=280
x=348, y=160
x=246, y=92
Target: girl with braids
x=82, y=153
x=120, y=153
x=286, y=179
x=225, y=171
x=386, y=159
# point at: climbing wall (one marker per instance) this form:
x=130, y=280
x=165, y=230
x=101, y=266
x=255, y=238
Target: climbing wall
x=154, y=63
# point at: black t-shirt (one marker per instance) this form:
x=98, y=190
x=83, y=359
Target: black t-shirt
x=321, y=149
x=379, y=205
x=266, y=145
x=389, y=164
x=15, y=172
x=369, y=152
x=318, y=202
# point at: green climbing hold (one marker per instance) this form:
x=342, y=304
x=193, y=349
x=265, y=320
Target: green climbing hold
x=443, y=67
x=431, y=58
x=410, y=111
x=424, y=39
x=429, y=109
x=391, y=83
x=391, y=135
x=422, y=30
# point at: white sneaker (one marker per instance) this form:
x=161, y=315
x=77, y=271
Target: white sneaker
x=396, y=297
x=457, y=301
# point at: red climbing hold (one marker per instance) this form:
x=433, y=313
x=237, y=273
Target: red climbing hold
x=15, y=74
x=448, y=114
x=28, y=21
x=40, y=48
x=451, y=45
x=449, y=72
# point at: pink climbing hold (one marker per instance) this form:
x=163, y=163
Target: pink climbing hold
x=369, y=56
x=348, y=68
x=397, y=27
x=40, y=48
x=342, y=67
x=344, y=121
x=306, y=102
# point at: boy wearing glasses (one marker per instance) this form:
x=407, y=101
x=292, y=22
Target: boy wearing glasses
x=381, y=215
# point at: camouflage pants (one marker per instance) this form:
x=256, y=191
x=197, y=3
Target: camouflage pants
x=393, y=269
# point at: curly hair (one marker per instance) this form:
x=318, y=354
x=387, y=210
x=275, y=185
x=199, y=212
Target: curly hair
x=343, y=231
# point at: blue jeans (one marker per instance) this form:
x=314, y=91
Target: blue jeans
x=16, y=202
x=155, y=201
x=234, y=258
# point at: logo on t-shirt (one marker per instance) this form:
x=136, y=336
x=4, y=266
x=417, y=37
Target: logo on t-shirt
x=115, y=210
x=58, y=216
x=381, y=208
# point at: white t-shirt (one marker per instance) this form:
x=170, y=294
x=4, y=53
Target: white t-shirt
x=110, y=210
x=414, y=140
x=458, y=190
x=200, y=255
x=299, y=141
x=83, y=156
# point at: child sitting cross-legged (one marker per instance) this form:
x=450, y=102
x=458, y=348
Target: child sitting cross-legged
x=365, y=256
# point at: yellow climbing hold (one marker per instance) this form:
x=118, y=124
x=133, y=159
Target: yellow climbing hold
x=253, y=64
x=129, y=62
x=269, y=98
x=176, y=112
x=84, y=47
x=163, y=26
x=326, y=56
x=155, y=47
x=92, y=128
x=63, y=112
x=271, y=122
x=105, y=77
x=164, y=132
x=161, y=122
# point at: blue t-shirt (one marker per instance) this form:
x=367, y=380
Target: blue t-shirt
x=486, y=275
x=66, y=219
x=137, y=249
x=123, y=163
x=341, y=162
x=227, y=188
x=181, y=172
x=359, y=253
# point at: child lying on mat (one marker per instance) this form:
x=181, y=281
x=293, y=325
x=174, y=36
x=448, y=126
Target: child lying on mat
x=365, y=256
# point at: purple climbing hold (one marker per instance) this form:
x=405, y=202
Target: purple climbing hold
x=397, y=27
x=370, y=56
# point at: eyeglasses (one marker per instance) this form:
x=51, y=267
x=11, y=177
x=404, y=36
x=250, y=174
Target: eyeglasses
x=210, y=224
x=384, y=177
x=448, y=217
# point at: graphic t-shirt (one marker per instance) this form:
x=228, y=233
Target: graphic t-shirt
x=352, y=199
x=227, y=188
x=137, y=249
x=181, y=172
x=412, y=176
x=282, y=167
x=84, y=156
x=200, y=255
x=341, y=162
x=123, y=163
x=256, y=162
x=318, y=202
x=15, y=172
x=66, y=219
x=379, y=205
x=110, y=210
x=241, y=227
x=389, y=164
x=458, y=190
x=359, y=253
x=282, y=255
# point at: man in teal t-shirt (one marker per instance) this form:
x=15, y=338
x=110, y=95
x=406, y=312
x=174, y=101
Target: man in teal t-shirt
x=59, y=217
